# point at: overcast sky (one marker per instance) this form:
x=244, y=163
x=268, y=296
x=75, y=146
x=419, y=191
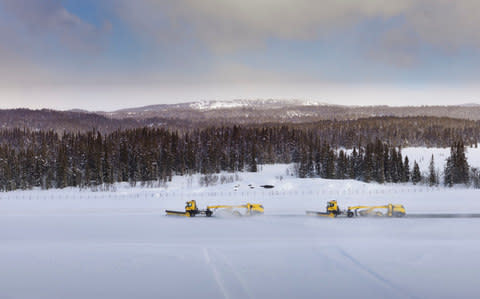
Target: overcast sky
x=110, y=54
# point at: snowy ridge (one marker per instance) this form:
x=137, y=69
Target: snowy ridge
x=252, y=103
x=211, y=105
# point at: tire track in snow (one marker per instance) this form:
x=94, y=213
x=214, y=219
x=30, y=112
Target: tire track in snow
x=376, y=275
x=216, y=274
x=237, y=274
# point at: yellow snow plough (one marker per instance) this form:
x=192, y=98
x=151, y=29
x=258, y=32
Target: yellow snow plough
x=333, y=210
x=191, y=210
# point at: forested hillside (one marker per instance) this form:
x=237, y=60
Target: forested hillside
x=285, y=111
x=188, y=116
x=398, y=131
x=60, y=121
x=47, y=159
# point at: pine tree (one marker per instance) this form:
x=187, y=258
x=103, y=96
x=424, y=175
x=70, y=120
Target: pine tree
x=61, y=168
x=303, y=165
x=448, y=172
x=352, y=164
x=461, y=172
x=432, y=177
x=406, y=170
x=391, y=174
x=253, y=159
x=368, y=164
x=457, y=168
x=330, y=164
x=379, y=166
x=416, y=175
x=341, y=167
x=310, y=165
x=400, y=169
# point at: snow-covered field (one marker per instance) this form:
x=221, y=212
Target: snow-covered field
x=83, y=244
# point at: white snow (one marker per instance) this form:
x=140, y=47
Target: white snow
x=212, y=105
x=81, y=244
x=440, y=155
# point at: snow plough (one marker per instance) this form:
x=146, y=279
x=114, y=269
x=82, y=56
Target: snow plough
x=333, y=210
x=191, y=210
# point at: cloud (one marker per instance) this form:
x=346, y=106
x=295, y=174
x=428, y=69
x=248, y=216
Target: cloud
x=37, y=37
x=51, y=19
x=237, y=41
x=232, y=25
x=445, y=23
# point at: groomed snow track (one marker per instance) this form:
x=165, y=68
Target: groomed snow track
x=415, y=215
x=443, y=215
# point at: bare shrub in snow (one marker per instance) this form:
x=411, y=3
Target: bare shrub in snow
x=208, y=180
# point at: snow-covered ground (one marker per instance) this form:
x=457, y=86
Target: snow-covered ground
x=423, y=156
x=82, y=244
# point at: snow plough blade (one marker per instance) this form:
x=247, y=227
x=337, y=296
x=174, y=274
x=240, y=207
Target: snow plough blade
x=207, y=213
x=322, y=214
x=177, y=213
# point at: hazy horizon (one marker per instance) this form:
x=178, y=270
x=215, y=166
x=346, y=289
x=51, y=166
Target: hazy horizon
x=126, y=107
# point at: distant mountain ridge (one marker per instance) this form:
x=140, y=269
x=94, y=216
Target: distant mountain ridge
x=60, y=121
x=264, y=111
x=219, y=105
x=470, y=105
x=218, y=113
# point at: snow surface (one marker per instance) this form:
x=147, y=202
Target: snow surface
x=212, y=105
x=440, y=155
x=74, y=243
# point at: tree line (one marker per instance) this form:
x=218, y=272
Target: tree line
x=46, y=159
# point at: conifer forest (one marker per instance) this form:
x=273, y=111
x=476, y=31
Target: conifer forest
x=333, y=150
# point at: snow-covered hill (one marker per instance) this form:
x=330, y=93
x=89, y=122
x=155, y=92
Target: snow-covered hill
x=279, y=110
x=217, y=113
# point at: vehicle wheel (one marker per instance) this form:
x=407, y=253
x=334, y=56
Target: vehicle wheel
x=349, y=214
x=208, y=213
x=236, y=213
